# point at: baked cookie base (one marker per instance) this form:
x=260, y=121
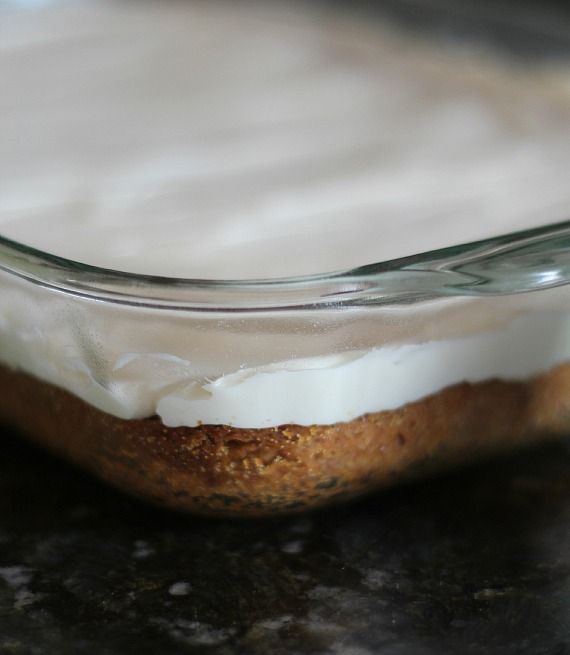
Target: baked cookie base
x=221, y=470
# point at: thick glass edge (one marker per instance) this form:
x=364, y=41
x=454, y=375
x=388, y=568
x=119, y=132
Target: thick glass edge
x=519, y=262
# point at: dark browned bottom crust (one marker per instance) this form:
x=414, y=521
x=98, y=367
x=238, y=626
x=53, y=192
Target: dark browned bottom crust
x=217, y=469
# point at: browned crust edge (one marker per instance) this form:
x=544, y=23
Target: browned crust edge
x=216, y=469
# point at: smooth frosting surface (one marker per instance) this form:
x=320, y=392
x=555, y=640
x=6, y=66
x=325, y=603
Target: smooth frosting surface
x=234, y=140
x=361, y=383
x=218, y=140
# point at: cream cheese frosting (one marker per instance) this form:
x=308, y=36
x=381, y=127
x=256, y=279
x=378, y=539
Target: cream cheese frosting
x=240, y=140
x=386, y=378
x=321, y=389
x=246, y=140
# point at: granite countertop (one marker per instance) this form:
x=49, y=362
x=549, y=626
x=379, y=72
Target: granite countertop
x=477, y=561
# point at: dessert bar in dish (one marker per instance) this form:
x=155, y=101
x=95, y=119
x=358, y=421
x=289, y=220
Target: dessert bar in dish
x=256, y=258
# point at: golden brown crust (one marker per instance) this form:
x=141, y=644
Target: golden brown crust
x=234, y=471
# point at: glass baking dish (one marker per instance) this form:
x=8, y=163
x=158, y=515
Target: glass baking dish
x=396, y=369
x=257, y=396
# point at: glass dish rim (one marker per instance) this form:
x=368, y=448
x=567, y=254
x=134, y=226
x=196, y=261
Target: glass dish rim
x=518, y=262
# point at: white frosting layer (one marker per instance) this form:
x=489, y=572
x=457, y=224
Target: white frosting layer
x=321, y=392
x=322, y=389
x=232, y=140
x=221, y=141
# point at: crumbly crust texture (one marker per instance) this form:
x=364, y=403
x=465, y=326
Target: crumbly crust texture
x=222, y=470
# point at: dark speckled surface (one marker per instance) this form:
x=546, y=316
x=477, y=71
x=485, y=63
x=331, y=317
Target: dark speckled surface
x=474, y=562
